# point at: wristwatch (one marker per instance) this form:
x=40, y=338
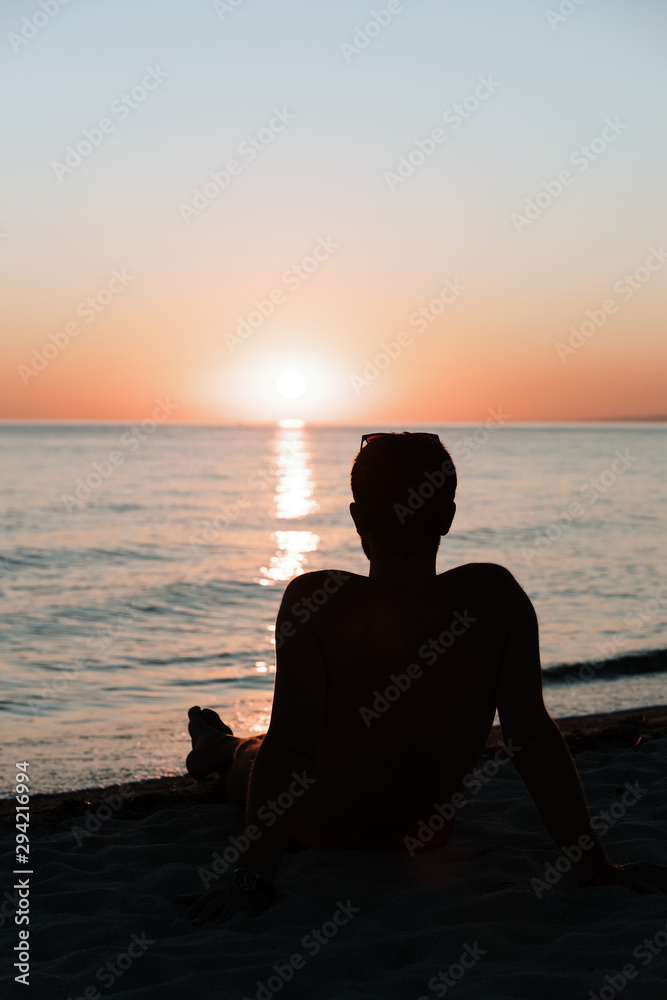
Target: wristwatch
x=247, y=880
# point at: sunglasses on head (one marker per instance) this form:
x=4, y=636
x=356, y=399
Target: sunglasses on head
x=365, y=438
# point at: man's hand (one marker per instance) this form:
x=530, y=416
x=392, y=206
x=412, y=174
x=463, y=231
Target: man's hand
x=642, y=876
x=223, y=903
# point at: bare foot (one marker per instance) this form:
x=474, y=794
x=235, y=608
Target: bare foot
x=214, y=720
x=213, y=745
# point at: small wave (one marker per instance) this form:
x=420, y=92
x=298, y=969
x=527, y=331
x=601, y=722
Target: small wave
x=246, y=680
x=171, y=661
x=63, y=557
x=23, y=556
x=121, y=508
x=631, y=664
x=122, y=553
x=198, y=682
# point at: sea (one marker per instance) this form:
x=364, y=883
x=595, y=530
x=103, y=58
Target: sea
x=142, y=566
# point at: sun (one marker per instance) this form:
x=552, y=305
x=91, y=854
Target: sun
x=291, y=385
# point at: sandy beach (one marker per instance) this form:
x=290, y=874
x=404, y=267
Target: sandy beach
x=488, y=915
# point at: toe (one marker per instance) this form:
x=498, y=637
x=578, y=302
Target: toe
x=214, y=720
x=197, y=726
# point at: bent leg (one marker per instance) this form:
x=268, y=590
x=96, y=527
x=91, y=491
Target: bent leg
x=237, y=775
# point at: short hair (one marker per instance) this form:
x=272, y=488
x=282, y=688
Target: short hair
x=404, y=482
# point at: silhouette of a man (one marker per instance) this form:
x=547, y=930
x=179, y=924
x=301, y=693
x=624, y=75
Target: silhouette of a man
x=386, y=689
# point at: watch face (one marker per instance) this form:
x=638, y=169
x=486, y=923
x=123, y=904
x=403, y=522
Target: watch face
x=245, y=879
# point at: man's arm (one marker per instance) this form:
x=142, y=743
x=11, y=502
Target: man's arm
x=544, y=761
x=283, y=767
x=286, y=758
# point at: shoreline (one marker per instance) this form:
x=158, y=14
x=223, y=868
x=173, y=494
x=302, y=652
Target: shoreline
x=618, y=731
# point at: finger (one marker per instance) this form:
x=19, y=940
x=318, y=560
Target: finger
x=229, y=907
x=197, y=906
x=213, y=908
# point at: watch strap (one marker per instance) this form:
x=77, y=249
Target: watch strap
x=249, y=875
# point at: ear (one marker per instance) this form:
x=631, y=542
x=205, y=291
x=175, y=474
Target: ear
x=359, y=516
x=447, y=518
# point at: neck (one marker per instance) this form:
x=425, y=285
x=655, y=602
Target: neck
x=415, y=568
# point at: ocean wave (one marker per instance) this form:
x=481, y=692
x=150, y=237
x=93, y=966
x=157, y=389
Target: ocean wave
x=653, y=661
x=171, y=661
x=243, y=680
x=69, y=557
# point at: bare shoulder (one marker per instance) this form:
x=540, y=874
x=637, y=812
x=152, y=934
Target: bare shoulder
x=327, y=581
x=491, y=578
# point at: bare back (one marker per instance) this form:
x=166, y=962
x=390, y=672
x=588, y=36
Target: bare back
x=411, y=678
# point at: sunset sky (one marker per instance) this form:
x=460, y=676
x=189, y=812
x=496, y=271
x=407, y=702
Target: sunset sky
x=451, y=188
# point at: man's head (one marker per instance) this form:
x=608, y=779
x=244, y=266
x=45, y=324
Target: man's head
x=403, y=487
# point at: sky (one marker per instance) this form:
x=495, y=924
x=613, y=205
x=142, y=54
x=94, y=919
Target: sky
x=427, y=210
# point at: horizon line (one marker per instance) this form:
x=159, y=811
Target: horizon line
x=276, y=423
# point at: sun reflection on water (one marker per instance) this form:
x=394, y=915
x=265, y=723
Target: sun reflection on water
x=293, y=499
